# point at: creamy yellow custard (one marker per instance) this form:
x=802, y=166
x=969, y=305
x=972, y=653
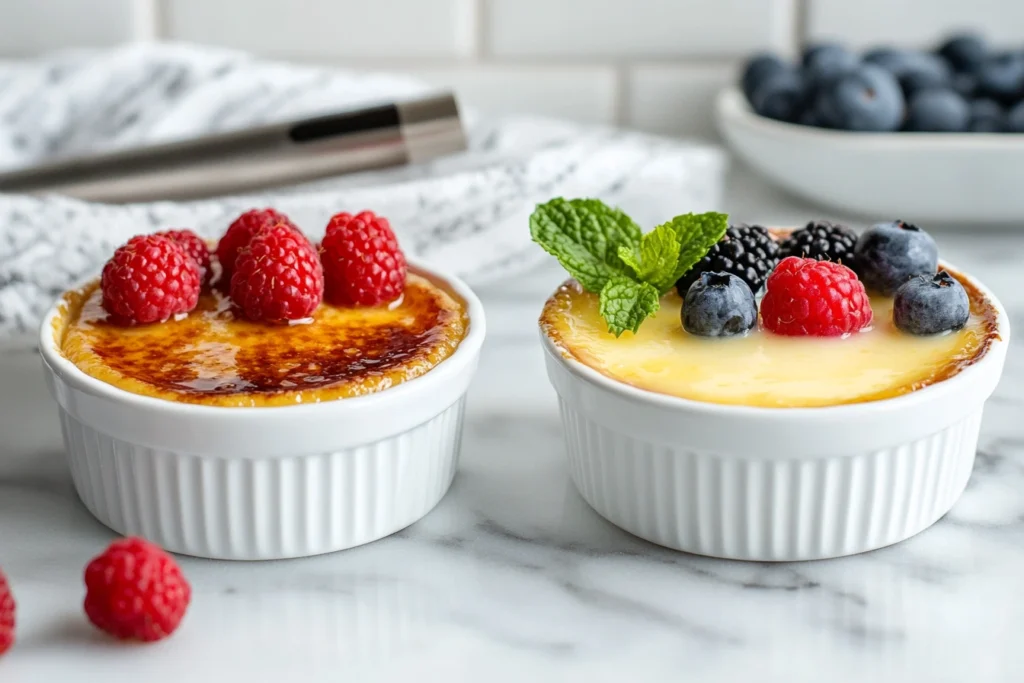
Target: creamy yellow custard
x=763, y=369
x=213, y=357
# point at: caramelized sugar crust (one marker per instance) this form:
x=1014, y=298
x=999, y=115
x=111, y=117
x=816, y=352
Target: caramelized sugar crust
x=213, y=357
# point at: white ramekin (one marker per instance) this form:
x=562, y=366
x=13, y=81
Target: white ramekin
x=265, y=483
x=772, y=484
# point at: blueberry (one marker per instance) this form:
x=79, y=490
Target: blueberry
x=930, y=304
x=966, y=84
x=987, y=117
x=924, y=71
x=824, y=62
x=719, y=305
x=964, y=52
x=1015, y=119
x=757, y=68
x=889, y=58
x=889, y=254
x=780, y=95
x=1001, y=77
x=938, y=111
x=866, y=99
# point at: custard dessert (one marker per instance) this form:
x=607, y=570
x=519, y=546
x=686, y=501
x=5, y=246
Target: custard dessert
x=213, y=356
x=760, y=368
x=743, y=315
x=263, y=317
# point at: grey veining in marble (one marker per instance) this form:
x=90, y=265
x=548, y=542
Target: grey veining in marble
x=513, y=578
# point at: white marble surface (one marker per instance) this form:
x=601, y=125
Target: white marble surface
x=514, y=578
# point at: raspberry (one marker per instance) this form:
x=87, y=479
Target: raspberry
x=240, y=233
x=278, y=277
x=363, y=265
x=148, y=280
x=194, y=246
x=6, y=615
x=816, y=298
x=135, y=591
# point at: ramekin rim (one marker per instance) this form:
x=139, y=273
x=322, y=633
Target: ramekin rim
x=588, y=374
x=470, y=346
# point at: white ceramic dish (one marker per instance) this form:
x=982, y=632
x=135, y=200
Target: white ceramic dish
x=772, y=484
x=265, y=483
x=919, y=177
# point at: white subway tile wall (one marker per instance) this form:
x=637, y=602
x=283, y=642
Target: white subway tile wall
x=649, y=64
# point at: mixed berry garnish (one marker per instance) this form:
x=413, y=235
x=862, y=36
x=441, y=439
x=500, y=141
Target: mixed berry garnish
x=822, y=241
x=931, y=304
x=821, y=287
x=806, y=297
x=746, y=251
x=267, y=266
x=719, y=305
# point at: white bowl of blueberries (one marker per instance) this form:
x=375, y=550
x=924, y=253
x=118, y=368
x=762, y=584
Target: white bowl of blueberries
x=927, y=135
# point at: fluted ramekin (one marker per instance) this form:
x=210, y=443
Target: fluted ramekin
x=271, y=482
x=773, y=484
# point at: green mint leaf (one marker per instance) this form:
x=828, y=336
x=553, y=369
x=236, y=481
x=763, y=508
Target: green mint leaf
x=630, y=258
x=585, y=236
x=697, y=234
x=625, y=303
x=659, y=254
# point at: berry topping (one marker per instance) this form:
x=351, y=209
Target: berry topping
x=6, y=615
x=821, y=241
x=363, y=265
x=931, y=304
x=746, y=251
x=135, y=591
x=194, y=246
x=889, y=254
x=719, y=305
x=240, y=233
x=148, y=280
x=278, y=276
x=814, y=298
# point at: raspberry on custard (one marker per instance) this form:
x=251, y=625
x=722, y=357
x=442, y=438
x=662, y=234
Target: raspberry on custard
x=278, y=276
x=135, y=591
x=814, y=298
x=241, y=232
x=7, y=610
x=148, y=280
x=195, y=246
x=363, y=264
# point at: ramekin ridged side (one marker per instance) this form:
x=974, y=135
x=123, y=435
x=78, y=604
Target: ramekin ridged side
x=265, y=483
x=265, y=508
x=772, y=484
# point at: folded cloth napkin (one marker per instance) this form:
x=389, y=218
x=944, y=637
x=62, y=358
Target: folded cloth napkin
x=467, y=213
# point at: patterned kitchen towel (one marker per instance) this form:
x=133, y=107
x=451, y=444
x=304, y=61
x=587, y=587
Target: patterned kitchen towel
x=466, y=213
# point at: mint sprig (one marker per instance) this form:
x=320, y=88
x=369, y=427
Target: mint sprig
x=606, y=252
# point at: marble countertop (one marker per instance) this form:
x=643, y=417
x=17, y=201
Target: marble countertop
x=514, y=578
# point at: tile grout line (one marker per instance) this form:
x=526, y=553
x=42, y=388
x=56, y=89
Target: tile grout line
x=482, y=13
x=147, y=24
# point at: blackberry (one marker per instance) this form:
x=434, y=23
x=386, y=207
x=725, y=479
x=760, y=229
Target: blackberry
x=821, y=241
x=746, y=251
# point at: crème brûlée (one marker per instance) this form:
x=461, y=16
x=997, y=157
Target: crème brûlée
x=213, y=357
x=764, y=369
